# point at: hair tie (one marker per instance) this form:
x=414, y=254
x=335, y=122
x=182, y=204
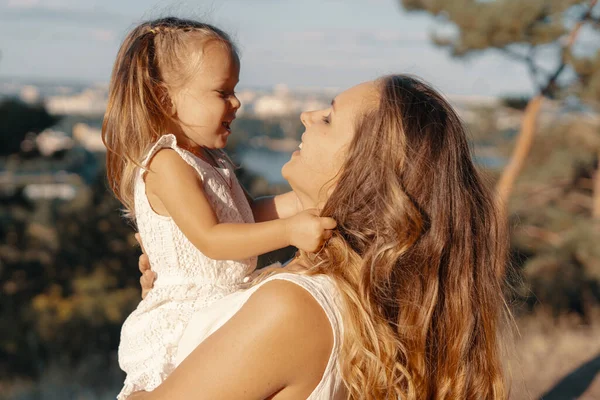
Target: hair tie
x=153, y=31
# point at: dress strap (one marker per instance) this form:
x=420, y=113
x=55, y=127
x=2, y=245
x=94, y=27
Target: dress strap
x=169, y=141
x=321, y=287
x=166, y=141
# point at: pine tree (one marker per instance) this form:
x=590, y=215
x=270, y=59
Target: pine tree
x=522, y=30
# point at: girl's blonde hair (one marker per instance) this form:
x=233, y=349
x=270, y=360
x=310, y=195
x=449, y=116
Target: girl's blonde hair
x=419, y=255
x=156, y=58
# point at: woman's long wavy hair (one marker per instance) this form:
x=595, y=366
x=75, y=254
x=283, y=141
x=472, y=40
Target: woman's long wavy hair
x=419, y=255
x=156, y=57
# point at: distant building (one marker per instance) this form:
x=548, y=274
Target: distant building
x=89, y=137
x=282, y=101
x=50, y=191
x=90, y=102
x=50, y=141
x=273, y=106
x=30, y=94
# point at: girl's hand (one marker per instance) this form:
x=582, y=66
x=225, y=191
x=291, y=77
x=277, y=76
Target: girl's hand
x=148, y=276
x=308, y=231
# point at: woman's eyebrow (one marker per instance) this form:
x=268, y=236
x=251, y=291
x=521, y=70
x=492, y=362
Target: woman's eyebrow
x=333, y=104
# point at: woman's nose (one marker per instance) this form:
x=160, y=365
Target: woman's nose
x=305, y=117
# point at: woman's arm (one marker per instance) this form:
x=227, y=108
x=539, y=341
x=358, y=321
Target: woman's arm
x=180, y=192
x=148, y=276
x=280, y=340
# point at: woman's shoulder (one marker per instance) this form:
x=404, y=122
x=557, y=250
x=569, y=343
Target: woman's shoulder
x=280, y=337
x=289, y=310
x=290, y=295
x=306, y=303
x=280, y=306
x=293, y=287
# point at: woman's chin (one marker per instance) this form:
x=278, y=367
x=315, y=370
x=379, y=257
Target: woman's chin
x=286, y=170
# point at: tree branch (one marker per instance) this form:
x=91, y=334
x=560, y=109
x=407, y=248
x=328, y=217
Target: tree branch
x=515, y=55
x=533, y=68
x=548, y=88
x=593, y=20
x=535, y=71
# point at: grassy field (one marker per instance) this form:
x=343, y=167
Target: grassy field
x=556, y=358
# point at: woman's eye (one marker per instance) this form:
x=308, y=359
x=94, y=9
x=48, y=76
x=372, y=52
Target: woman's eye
x=327, y=119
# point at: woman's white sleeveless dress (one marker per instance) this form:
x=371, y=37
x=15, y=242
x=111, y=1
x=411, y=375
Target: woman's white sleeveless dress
x=187, y=280
x=324, y=291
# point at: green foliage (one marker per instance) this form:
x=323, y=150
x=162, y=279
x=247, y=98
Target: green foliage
x=520, y=29
x=515, y=102
x=551, y=217
x=499, y=23
x=588, y=71
x=17, y=119
x=67, y=286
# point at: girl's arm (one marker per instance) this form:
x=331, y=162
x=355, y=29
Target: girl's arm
x=177, y=190
x=280, y=340
x=268, y=208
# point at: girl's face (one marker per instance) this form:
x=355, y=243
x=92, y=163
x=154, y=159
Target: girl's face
x=206, y=106
x=312, y=170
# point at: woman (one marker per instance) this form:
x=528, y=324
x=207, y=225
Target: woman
x=404, y=301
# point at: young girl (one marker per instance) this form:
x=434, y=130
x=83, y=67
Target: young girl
x=171, y=103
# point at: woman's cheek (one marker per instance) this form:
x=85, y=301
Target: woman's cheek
x=331, y=162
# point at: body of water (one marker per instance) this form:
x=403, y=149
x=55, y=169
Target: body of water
x=265, y=163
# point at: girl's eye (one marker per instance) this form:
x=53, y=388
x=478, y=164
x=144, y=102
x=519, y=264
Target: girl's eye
x=327, y=119
x=225, y=94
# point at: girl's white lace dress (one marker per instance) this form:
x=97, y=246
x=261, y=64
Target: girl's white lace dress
x=187, y=280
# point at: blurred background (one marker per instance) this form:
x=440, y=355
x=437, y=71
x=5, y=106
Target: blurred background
x=523, y=75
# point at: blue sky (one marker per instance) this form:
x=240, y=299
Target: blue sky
x=308, y=43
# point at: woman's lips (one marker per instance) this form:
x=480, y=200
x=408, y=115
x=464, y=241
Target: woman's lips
x=297, y=152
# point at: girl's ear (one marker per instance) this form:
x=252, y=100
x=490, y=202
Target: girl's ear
x=167, y=101
x=173, y=107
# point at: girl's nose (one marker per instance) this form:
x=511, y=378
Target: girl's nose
x=235, y=102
